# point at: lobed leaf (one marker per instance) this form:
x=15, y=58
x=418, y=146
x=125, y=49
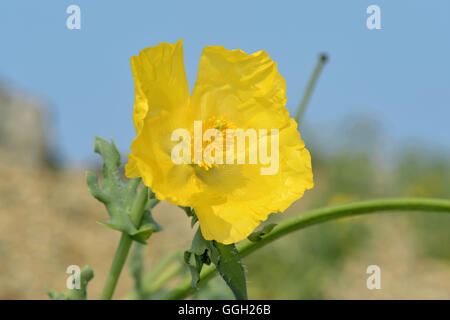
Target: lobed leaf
x=119, y=196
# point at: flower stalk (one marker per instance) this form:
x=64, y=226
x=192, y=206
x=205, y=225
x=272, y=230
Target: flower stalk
x=123, y=248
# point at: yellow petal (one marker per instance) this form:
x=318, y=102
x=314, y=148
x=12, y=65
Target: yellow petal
x=162, y=98
x=244, y=89
x=247, y=197
x=248, y=91
x=160, y=81
x=214, y=227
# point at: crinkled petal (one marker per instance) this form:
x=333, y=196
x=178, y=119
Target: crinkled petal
x=214, y=227
x=162, y=99
x=160, y=81
x=248, y=91
x=249, y=200
x=245, y=89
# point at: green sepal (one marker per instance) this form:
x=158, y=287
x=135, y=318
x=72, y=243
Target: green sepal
x=257, y=234
x=86, y=275
x=119, y=196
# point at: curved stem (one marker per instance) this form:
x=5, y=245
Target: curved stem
x=124, y=246
x=315, y=217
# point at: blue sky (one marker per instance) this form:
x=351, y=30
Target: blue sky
x=400, y=74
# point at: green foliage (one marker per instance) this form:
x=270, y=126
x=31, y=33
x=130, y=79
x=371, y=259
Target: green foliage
x=225, y=258
x=198, y=255
x=86, y=275
x=230, y=268
x=119, y=196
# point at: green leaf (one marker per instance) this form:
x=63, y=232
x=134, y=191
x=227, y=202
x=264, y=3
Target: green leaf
x=86, y=275
x=257, y=234
x=195, y=264
x=119, y=196
x=231, y=269
x=199, y=244
x=225, y=258
x=197, y=256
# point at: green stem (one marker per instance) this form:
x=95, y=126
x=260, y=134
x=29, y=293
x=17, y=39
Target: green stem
x=310, y=87
x=124, y=246
x=315, y=217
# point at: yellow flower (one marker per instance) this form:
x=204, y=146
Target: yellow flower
x=233, y=90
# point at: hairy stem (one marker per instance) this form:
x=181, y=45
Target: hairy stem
x=124, y=246
x=314, y=217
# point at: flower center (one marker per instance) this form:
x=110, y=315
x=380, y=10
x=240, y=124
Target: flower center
x=221, y=124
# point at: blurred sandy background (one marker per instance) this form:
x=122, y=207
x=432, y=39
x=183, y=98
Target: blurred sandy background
x=47, y=220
